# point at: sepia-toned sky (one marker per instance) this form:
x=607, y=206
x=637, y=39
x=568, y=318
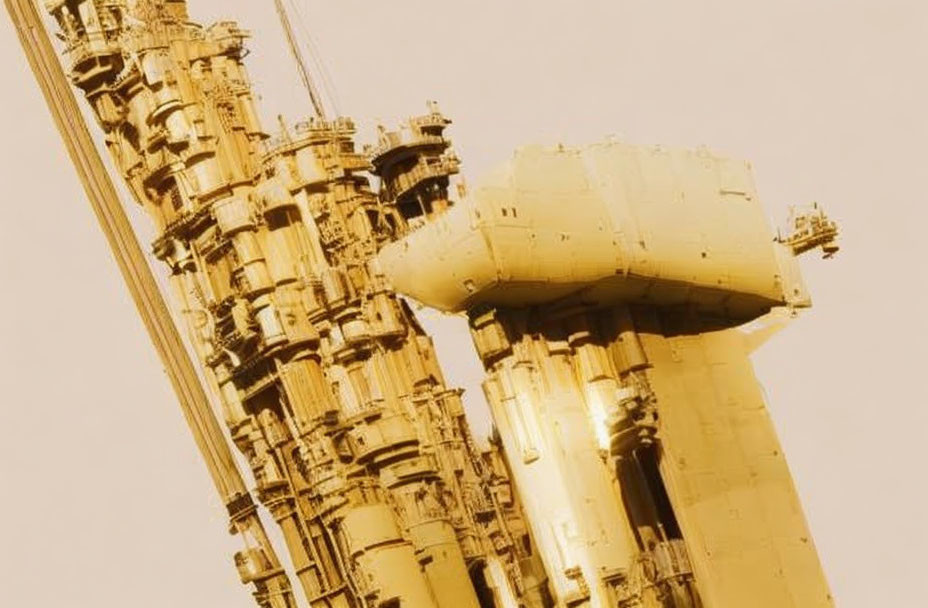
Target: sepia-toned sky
x=103, y=499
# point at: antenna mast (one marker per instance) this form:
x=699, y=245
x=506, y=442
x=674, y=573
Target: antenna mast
x=314, y=95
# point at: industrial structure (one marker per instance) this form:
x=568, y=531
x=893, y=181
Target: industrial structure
x=633, y=464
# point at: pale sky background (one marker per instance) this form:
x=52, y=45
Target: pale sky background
x=104, y=500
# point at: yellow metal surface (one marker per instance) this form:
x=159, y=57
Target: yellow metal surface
x=606, y=223
x=725, y=470
x=328, y=386
x=258, y=562
x=605, y=286
x=633, y=464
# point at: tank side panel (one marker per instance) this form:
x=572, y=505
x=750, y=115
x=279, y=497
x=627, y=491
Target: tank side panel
x=607, y=223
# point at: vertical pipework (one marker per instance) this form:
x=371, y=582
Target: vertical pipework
x=634, y=418
x=394, y=404
x=268, y=244
x=538, y=371
x=664, y=568
x=258, y=563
